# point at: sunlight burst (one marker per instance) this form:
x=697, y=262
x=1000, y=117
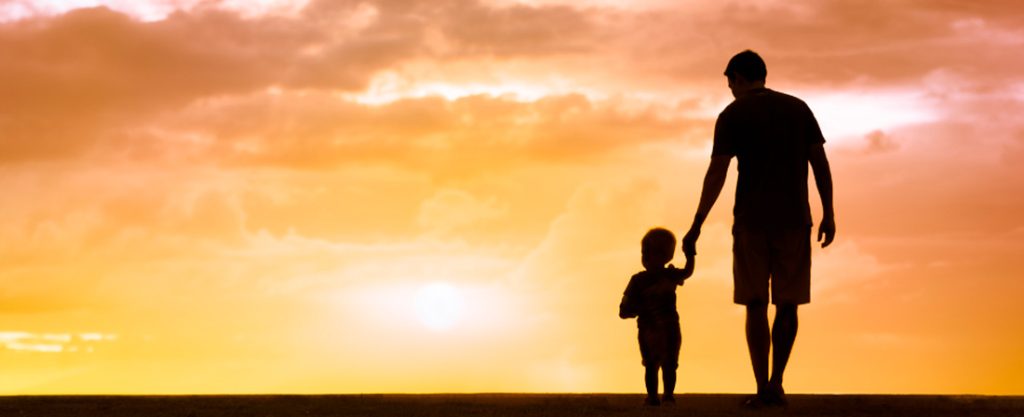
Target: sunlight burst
x=438, y=306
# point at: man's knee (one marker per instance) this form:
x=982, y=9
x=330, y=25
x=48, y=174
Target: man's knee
x=786, y=310
x=757, y=309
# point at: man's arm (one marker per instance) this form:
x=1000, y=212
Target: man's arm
x=714, y=180
x=823, y=179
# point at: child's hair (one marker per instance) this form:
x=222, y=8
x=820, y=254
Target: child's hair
x=658, y=239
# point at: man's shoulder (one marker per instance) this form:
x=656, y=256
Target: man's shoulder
x=789, y=99
x=767, y=100
x=761, y=98
x=728, y=110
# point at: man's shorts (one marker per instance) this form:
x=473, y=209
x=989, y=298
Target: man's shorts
x=659, y=345
x=780, y=259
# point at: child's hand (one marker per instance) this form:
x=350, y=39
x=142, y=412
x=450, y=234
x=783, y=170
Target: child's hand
x=691, y=262
x=626, y=308
x=681, y=275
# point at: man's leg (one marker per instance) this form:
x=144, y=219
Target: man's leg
x=758, y=342
x=651, y=381
x=668, y=377
x=783, y=336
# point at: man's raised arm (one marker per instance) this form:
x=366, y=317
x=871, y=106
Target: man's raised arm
x=823, y=179
x=714, y=180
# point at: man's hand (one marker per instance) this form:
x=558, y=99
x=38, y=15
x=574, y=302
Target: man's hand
x=827, y=230
x=690, y=241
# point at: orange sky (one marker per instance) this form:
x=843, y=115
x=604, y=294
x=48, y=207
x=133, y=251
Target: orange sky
x=448, y=195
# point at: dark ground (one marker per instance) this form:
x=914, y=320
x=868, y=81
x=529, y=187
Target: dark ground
x=529, y=405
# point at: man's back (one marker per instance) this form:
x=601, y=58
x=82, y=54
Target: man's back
x=771, y=134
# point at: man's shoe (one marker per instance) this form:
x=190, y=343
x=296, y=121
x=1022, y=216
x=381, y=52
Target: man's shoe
x=776, y=397
x=754, y=402
x=652, y=402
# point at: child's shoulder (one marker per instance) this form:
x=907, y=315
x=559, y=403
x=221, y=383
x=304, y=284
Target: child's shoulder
x=638, y=278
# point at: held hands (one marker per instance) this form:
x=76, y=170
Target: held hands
x=690, y=242
x=827, y=230
x=691, y=264
x=689, y=248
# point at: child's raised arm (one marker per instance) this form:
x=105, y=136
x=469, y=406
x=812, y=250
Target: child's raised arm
x=687, y=271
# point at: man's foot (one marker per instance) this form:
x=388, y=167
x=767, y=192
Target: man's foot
x=775, y=396
x=652, y=401
x=754, y=402
x=668, y=400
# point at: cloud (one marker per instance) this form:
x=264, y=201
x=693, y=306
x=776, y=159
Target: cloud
x=431, y=134
x=96, y=70
x=839, y=270
x=17, y=341
x=451, y=209
x=101, y=72
x=580, y=241
x=518, y=30
x=878, y=141
x=829, y=43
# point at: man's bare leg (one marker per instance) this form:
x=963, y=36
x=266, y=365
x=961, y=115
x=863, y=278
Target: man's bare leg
x=759, y=343
x=651, y=382
x=783, y=335
x=668, y=377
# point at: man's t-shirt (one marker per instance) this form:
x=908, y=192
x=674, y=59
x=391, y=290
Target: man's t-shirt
x=770, y=134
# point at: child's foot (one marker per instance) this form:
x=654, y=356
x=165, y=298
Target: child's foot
x=652, y=401
x=668, y=400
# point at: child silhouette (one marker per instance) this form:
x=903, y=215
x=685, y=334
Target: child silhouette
x=650, y=296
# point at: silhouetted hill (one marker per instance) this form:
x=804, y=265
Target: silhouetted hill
x=527, y=405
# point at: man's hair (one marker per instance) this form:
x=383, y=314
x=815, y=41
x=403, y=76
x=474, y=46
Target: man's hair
x=659, y=237
x=747, y=64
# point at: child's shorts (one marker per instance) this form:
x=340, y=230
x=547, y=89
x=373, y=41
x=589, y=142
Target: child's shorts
x=659, y=345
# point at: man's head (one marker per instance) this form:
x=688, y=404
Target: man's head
x=746, y=71
x=657, y=248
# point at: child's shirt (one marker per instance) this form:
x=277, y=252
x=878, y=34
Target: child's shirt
x=651, y=296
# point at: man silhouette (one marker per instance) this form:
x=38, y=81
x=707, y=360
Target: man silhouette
x=773, y=137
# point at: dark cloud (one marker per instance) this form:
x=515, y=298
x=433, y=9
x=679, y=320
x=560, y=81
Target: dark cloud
x=70, y=80
x=826, y=43
x=519, y=30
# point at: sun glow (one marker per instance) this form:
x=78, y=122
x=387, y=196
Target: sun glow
x=439, y=306
x=852, y=115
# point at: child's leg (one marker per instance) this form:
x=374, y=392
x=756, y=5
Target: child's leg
x=671, y=362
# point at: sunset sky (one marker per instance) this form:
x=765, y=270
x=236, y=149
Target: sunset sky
x=347, y=196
